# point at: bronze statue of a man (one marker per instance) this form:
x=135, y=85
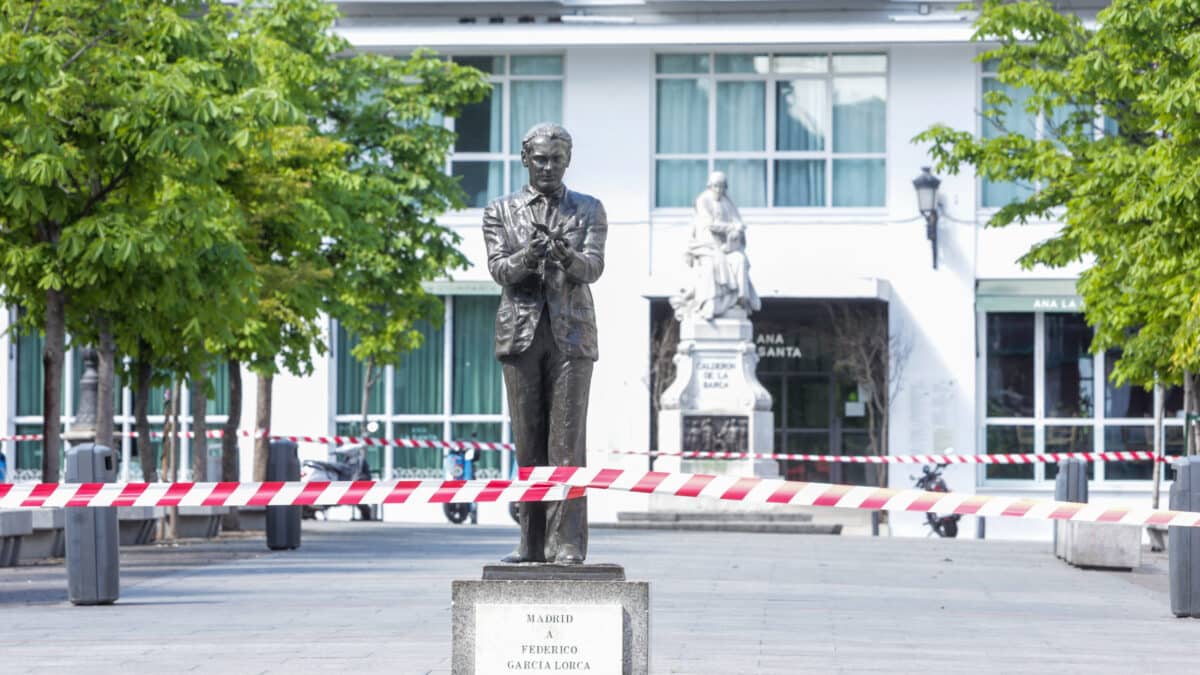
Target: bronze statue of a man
x=545, y=244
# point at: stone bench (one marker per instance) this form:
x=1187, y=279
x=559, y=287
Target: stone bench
x=138, y=524
x=200, y=522
x=47, y=539
x=15, y=525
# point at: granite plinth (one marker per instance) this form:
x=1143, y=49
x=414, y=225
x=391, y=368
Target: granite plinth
x=594, y=596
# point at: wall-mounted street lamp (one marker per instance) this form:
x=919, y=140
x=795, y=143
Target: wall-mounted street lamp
x=927, y=186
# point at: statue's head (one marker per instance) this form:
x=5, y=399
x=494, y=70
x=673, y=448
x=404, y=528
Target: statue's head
x=717, y=183
x=546, y=153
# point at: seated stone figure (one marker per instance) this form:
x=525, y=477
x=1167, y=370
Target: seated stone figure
x=716, y=255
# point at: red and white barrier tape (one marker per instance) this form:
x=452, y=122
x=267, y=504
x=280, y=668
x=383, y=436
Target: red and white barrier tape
x=995, y=458
x=557, y=483
x=774, y=491
x=37, y=495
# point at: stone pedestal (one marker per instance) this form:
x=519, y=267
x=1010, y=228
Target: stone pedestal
x=551, y=619
x=716, y=402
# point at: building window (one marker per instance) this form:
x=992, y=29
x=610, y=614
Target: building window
x=1044, y=392
x=26, y=411
x=1015, y=118
x=789, y=130
x=450, y=388
x=526, y=89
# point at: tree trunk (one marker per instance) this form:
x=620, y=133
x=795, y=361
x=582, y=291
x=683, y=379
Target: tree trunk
x=229, y=441
x=262, y=426
x=171, y=442
x=365, y=402
x=199, y=444
x=141, y=419
x=106, y=371
x=52, y=365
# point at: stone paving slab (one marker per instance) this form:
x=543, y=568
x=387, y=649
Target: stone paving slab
x=375, y=597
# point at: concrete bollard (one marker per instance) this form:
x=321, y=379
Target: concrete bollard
x=1183, y=543
x=283, y=522
x=93, y=564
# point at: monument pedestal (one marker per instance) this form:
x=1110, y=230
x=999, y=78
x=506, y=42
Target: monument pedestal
x=716, y=403
x=548, y=618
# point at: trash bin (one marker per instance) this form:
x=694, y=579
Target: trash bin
x=93, y=564
x=1070, y=485
x=283, y=522
x=1183, y=543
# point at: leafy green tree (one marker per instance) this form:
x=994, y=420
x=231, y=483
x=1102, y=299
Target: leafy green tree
x=341, y=212
x=116, y=118
x=1119, y=166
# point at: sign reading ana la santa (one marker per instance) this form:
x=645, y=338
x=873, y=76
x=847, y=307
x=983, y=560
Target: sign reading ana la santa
x=548, y=639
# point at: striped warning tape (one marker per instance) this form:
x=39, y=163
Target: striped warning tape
x=775, y=491
x=994, y=458
x=557, y=483
x=271, y=493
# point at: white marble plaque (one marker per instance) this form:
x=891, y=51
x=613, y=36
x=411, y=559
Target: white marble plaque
x=548, y=639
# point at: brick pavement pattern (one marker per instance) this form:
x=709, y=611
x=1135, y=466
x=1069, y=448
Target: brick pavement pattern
x=374, y=597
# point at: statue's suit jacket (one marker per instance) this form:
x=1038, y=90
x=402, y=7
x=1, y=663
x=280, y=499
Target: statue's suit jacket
x=563, y=291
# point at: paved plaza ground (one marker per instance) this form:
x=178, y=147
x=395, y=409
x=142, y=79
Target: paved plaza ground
x=375, y=597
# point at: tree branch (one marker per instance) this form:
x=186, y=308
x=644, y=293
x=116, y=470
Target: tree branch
x=32, y=11
x=86, y=47
x=103, y=192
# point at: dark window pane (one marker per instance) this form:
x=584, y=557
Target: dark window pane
x=350, y=374
x=857, y=443
x=1128, y=438
x=774, y=386
x=482, y=181
x=1173, y=402
x=1173, y=446
x=807, y=402
x=1070, y=386
x=478, y=126
x=1010, y=365
x=1125, y=400
x=807, y=442
x=1068, y=439
x=1006, y=440
x=488, y=64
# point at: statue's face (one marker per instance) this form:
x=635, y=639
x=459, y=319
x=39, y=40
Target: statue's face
x=547, y=161
x=718, y=189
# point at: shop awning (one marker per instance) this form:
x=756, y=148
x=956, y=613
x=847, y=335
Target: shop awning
x=1027, y=295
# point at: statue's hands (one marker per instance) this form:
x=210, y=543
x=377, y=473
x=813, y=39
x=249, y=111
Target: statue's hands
x=536, y=250
x=561, y=252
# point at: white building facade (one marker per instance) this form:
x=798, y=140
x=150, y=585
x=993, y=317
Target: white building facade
x=810, y=108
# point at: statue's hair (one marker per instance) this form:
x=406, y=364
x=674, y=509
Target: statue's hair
x=717, y=176
x=548, y=130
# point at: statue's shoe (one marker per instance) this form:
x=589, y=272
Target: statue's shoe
x=516, y=557
x=568, y=555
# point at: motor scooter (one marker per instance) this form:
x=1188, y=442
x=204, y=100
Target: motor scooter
x=345, y=464
x=931, y=480
x=459, y=464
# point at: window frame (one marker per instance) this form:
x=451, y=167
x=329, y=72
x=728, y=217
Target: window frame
x=447, y=418
x=1098, y=422
x=770, y=155
x=507, y=155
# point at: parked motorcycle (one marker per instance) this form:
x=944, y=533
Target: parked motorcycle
x=459, y=464
x=345, y=464
x=931, y=480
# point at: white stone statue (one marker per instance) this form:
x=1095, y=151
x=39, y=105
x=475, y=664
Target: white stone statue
x=716, y=254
